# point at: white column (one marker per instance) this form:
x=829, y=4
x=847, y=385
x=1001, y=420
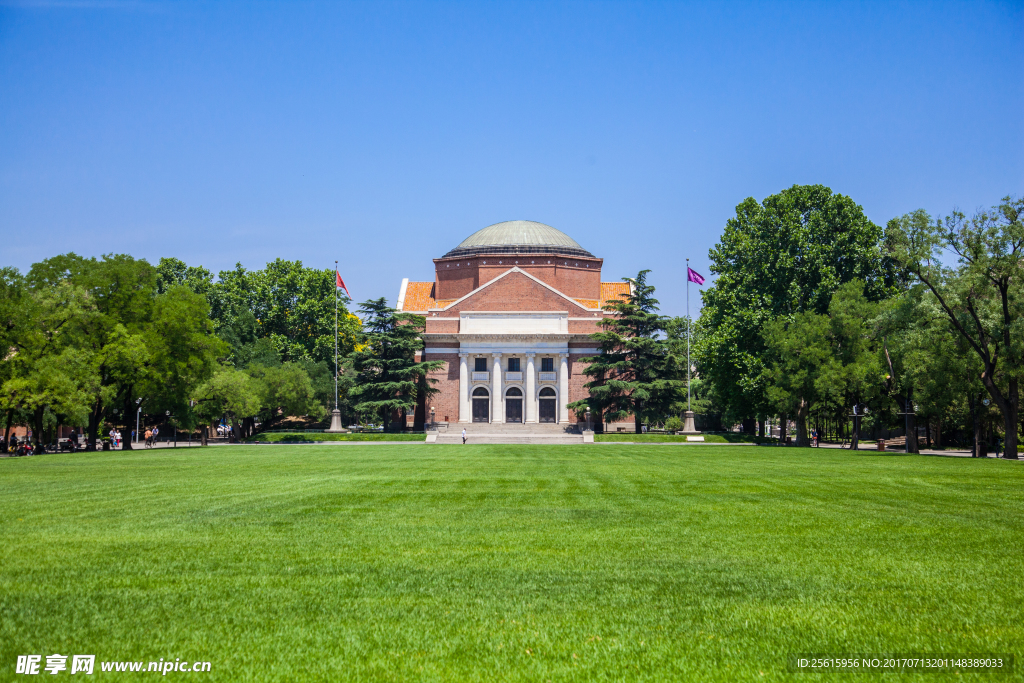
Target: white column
x=497, y=414
x=530, y=404
x=563, y=388
x=465, y=402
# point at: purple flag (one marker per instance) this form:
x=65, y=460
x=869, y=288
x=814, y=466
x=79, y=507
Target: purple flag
x=693, y=276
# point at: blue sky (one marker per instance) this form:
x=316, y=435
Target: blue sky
x=381, y=134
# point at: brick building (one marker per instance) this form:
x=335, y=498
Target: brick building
x=510, y=311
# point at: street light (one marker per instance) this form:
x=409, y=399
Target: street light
x=168, y=413
x=432, y=423
x=138, y=402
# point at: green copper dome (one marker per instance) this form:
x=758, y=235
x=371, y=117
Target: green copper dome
x=519, y=237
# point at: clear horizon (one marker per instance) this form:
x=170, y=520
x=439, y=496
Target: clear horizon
x=383, y=134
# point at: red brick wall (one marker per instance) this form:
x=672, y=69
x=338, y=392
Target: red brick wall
x=454, y=278
x=516, y=292
x=446, y=401
x=576, y=381
x=441, y=325
x=579, y=278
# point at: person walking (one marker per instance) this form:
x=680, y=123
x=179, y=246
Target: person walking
x=149, y=438
x=463, y=436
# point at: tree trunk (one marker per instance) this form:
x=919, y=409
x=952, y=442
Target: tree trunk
x=783, y=419
x=1011, y=418
x=95, y=416
x=7, y=429
x=126, y=444
x=801, y=423
x=202, y=434
x=855, y=434
x=976, y=449
x=37, y=426
x=760, y=427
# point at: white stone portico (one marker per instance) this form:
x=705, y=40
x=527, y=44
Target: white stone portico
x=496, y=350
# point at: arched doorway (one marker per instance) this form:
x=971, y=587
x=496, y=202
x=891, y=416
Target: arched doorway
x=481, y=403
x=514, y=405
x=548, y=406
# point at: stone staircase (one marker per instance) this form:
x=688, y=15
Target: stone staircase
x=487, y=433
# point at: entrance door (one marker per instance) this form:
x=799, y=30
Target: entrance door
x=548, y=409
x=480, y=406
x=514, y=405
x=481, y=401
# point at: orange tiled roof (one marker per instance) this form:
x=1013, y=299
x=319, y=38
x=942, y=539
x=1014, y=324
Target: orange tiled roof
x=419, y=296
x=587, y=303
x=612, y=290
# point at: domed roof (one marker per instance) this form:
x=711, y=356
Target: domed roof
x=519, y=237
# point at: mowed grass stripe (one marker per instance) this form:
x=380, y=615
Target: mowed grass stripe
x=507, y=562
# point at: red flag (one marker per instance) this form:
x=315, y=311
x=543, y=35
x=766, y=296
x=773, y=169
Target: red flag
x=340, y=284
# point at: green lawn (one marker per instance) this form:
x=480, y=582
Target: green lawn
x=507, y=563
x=678, y=438
x=277, y=437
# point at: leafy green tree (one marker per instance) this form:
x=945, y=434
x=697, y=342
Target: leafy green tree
x=635, y=374
x=286, y=303
x=171, y=272
x=231, y=392
x=286, y=389
x=824, y=363
x=183, y=350
x=785, y=255
x=983, y=297
x=46, y=367
x=938, y=368
x=13, y=300
x=388, y=377
x=121, y=290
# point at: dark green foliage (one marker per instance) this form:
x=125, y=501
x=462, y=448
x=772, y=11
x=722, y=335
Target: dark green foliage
x=982, y=298
x=635, y=374
x=171, y=272
x=785, y=255
x=824, y=364
x=388, y=378
x=288, y=304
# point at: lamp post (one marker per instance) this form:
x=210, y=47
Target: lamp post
x=175, y=429
x=138, y=414
x=432, y=423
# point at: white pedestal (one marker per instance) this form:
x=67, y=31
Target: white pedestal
x=688, y=427
x=336, y=427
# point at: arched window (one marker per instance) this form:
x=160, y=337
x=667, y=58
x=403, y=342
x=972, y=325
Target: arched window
x=480, y=391
x=514, y=391
x=547, y=391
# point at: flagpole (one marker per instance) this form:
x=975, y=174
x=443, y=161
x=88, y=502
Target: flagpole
x=335, y=335
x=688, y=334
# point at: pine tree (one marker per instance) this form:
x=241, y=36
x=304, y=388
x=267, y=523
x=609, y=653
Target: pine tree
x=635, y=373
x=388, y=378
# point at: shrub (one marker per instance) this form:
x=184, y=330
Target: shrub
x=673, y=424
